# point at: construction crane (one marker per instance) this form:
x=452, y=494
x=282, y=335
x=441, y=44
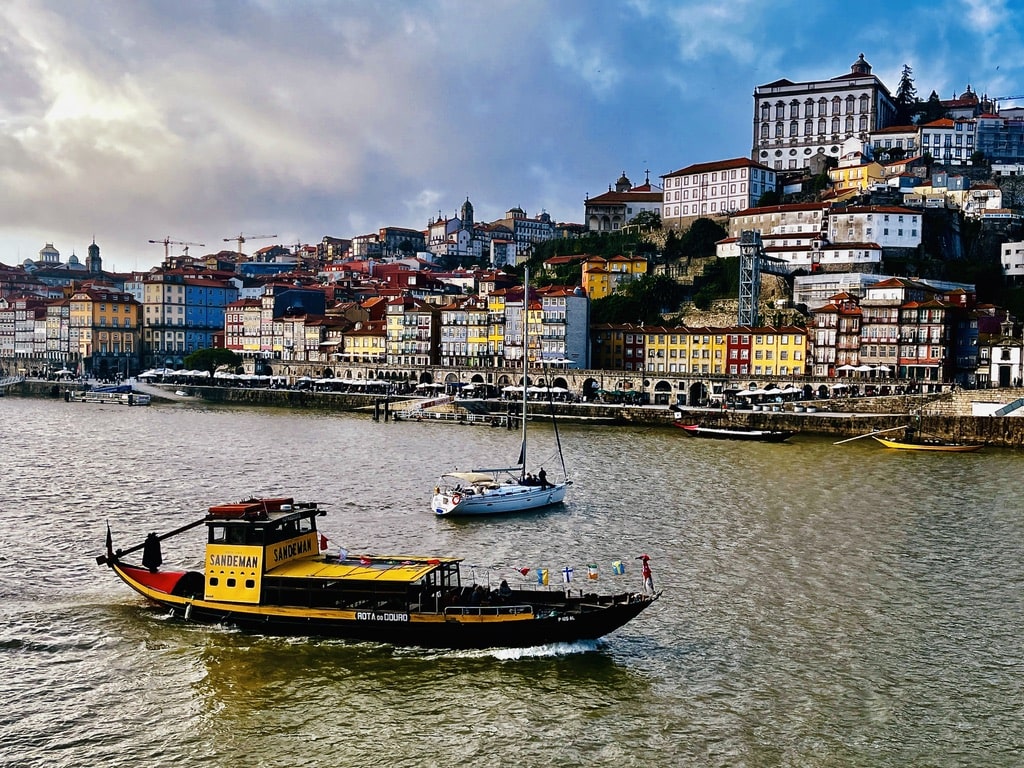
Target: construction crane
x=167, y=243
x=243, y=238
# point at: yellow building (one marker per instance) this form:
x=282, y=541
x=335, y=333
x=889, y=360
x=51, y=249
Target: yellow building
x=856, y=175
x=104, y=332
x=602, y=277
x=777, y=352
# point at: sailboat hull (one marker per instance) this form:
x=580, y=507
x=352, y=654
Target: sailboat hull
x=503, y=499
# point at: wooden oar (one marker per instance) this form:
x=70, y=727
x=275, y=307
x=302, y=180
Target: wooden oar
x=869, y=434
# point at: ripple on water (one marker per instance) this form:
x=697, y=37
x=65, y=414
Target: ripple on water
x=823, y=605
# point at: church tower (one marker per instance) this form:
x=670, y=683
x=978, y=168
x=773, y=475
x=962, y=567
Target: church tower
x=93, y=262
x=466, y=214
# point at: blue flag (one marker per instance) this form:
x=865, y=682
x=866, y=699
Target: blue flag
x=618, y=567
x=542, y=577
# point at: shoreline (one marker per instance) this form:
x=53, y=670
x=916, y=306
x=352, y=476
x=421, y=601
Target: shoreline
x=839, y=418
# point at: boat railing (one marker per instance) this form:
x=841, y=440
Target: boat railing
x=488, y=610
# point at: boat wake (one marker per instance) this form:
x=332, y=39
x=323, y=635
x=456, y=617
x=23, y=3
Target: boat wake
x=541, y=651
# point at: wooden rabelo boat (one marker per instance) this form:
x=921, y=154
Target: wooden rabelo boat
x=265, y=572
x=737, y=433
x=927, y=445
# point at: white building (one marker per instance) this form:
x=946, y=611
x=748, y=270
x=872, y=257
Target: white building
x=950, y=142
x=887, y=225
x=793, y=122
x=714, y=189
x=1011, y=255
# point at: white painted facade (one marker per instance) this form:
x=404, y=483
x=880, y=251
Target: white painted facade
x=715, y=188
x=795, y=121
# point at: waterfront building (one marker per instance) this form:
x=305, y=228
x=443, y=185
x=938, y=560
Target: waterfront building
x=242, y=327
x=496, y=300
x=104, y=332
x=713, y=189
x=1001, y=358
x=774, y=352
x=612, y=210
x=797, y=121
x=835, y=332
x=617, y=347
x=464, y=334
x=413, y=332
x=365, y=342
x=564, y=335
x=205, y=302
x=58, y=335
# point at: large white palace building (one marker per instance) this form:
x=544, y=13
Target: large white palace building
x=795, y=122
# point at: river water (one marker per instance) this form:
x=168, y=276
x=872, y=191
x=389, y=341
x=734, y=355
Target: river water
x=823, y=605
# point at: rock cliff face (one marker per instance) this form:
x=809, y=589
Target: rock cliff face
x=723, y=313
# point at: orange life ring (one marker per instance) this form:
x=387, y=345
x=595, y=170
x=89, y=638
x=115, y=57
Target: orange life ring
x=456, y=498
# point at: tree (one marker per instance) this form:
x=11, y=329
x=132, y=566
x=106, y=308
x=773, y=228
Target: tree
x=769, y=197
x=647, y=220
x=933, y=109
x=906, y=97
x=212, y=359
x=699, y=240
x=673, y=246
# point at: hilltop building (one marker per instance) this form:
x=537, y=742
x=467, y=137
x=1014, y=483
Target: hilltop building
x=795, y=121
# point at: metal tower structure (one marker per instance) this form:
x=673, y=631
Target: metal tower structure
x=750, y=277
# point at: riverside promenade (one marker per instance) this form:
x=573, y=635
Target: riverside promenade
x=948, y=415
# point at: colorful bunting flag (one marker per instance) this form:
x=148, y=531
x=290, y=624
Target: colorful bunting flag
x=323, y=542
x=342, y=553
x=567, y=574
x=592, y=572
x=542, y=577
x=618, y=567
x=523, y=571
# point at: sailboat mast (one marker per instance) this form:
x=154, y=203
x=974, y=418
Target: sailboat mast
x=526, y=358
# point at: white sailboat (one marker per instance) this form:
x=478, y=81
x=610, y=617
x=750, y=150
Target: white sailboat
x=507, y=489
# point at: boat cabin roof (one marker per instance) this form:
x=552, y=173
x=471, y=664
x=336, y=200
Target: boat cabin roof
x=374, y=568
x=263, y=512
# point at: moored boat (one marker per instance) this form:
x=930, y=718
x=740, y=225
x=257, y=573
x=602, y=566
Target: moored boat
x=737, y=433
x=264, y=571
x=927, y=445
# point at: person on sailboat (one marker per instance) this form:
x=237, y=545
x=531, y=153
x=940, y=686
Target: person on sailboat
x=542, y=478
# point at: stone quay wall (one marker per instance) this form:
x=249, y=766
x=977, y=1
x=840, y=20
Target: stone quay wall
x=941, y=415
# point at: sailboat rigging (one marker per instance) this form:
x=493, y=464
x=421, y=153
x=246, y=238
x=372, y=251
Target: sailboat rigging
x=506, y=489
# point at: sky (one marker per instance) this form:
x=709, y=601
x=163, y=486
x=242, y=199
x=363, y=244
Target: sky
x=198, y=121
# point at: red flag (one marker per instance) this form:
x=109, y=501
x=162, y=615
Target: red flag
x=323, y=541
x=523, y=571
x=365, y=560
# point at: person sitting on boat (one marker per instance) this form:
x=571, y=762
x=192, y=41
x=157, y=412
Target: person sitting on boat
x=542, y=478
x=504, y=591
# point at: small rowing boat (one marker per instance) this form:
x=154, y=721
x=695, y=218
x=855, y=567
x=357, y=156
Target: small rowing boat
x=737, y=433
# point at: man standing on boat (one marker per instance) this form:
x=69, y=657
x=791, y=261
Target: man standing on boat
x=542, y=478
